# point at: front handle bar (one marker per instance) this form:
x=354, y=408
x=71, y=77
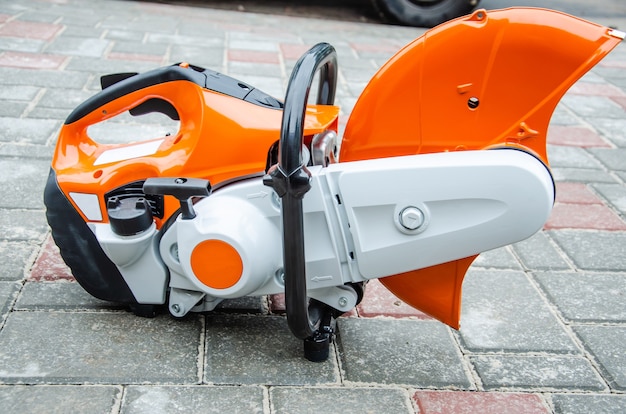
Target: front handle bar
x=290, y=179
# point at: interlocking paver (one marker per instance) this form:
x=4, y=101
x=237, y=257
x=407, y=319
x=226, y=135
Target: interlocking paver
x=592, y=250
x=502, y=311
x=539, y=252
x=585, y=403
x=587, y=297
x=400, y=351
x=199, y=399
x=59, y=399
x=528, y=372
x=339, y=400
x=104, y=348
x=608, y=346
x=15, y=257
x=242, y=349
x=455, y=402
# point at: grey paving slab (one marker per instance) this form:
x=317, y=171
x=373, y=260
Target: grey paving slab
x=586, y=297
x=582, y=175
x=103, y=348
x=615, y=194
x=19, y=92
x=501, y=258
x=563, y=116
x=588, y=403
x=22, y=225
x=612, y=129
x=15, y=257
x=590, y=106
x=60, y=295
x=11, y=149
x=22, y=45
x=538, y=252
x=28, y=131
x=8, y=292
x=608, y=345
x=392, y=351
x=22, y=182
x=193, y=399
x=43, y=78
x=533, y=372
x=571, y=157
x=99, y=67
x=339, y=400
x=63, y=98
x=78, y=46
x=614, y=159
x=502, y=311
x=13, y=109
x=592, y=250
x=59, y=399
x=244, y=349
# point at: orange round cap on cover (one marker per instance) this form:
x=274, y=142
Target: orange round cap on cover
x=217, y=264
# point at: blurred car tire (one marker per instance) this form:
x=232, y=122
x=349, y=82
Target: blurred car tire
x=423, y=13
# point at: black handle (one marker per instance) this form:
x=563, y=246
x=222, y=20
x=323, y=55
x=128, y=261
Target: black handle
x=290, y=179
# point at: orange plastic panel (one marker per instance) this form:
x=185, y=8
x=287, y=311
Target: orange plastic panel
x=220, y=138
x=216, y=263
x=489, y=80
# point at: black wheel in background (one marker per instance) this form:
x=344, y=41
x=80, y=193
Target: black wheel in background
x=423, y=13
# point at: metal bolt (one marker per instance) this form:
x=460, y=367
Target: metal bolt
x=411, y=218
x=473, y=102
x=176, y=308
x=343, y=301
x=180, y=180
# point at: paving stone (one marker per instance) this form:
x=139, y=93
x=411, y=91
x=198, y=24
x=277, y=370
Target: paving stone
x=500, y=258
x=455, y=402
x=563, y=116
x=78, y=46
x=99, y=67
x=199, y=399
x=582, y=175
x=339, y=400
x=538, y=252
x=22, y=225
x=608, y=345
x=13, y=109
x=49, y=266
x=10, y=149
x=44, y=78
x=612, y=129
x=502, y=311
x=584, y=216
x=113, y=348
x=575, y=193
x=58, y=399
x=561, y=156
x=62, y=295
x=588, y=403
x=8, y=291
x=239, y=70
x=590, y=106
x=243, y=349
x=28, y=131
x=23, y=182
x=15, y=256
x=27, y=60
x=533, y=372
x=611, y=158
x=615, y=194
x=30, y=30
x=19, y=92
x=400, y=351
x=63, y=98
x=592, y=250
x=575, y=136
x=206, y=57
x=586, y=297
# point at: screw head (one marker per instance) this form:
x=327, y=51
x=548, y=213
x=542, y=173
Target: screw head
x=411, y=218
x=343, y=301
x=473, y=102
x=176, y=308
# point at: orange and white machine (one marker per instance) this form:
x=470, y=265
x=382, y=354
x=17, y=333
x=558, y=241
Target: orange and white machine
x=443, y=157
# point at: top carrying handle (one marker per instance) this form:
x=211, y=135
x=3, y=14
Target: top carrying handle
x=290, y=179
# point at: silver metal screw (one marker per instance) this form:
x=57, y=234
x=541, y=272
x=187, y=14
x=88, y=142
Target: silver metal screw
x=411, y=218
x=343, y=301
x=176, y=308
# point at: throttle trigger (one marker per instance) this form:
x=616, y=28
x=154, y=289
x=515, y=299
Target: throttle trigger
x=181, y=188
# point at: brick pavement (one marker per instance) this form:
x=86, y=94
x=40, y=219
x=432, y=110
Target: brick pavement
x=543, y=323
